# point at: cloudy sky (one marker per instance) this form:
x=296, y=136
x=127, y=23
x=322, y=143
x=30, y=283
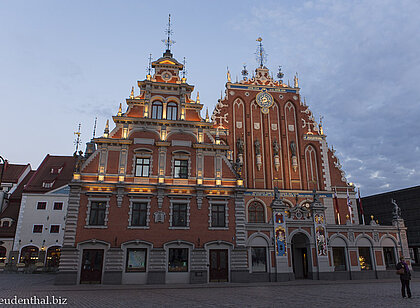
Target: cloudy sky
x=65, y=63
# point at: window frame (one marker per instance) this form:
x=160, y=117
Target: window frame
x=392, y=251
x=221, y=210
x=142, y=165
x=370, y=261
x=173, y=108
x=41, y=202
x=58, y=229
x=41, y=228
x=254, y=270
x=183, y=269
x=136, y=270
x=88, y=212
x=141, y=210
x=255, y=213
x=179, y=175
x=155, y=111
x=58, y=209
x=339, y=267
x=179, y=211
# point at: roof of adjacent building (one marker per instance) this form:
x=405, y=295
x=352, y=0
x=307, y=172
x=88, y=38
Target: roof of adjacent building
x=12, y=172
x=54, y=172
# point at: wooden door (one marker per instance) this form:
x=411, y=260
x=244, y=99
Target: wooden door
x=219, y=265
x=92, y=266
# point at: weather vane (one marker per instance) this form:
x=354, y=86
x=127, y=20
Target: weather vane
x=78, y=141
x=168, y=42
x=149, y=67
x=261, y=54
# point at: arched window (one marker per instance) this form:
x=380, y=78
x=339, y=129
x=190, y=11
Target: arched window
x=256, y=212
x=2, y=254
x=172, y=111
x=29, y=255
x=157, y=110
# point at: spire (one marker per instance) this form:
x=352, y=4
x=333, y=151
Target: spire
x=198, y=98
x=207, y=115
x=131, y=94
x=168, y=41
x=106, y=130
x=244, y=72
x=229, y=79
x=77, y=142
x=321, y=130
x=94, y=127
x=261, y=55
x=296, y=81
x=149, y=68
x=120, y=109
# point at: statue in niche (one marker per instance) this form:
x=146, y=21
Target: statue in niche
x=238, y=167
x=293, y=148
x=257, y=145
x=276, y=147
x=240, y=146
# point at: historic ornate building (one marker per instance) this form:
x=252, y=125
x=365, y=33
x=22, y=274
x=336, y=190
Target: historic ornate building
x=254, y=194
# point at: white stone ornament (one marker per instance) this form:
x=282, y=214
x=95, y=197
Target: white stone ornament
x=239, y=124
x=274, y=126
x=256, y=125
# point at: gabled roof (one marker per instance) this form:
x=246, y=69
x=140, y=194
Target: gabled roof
x=12, y=172
x=54, y=172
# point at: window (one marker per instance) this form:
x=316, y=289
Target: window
x=53, y=256
x=41, y=206
x=29, y=255
x=139, y=214
x=136, y=260
x=178, y=260
x=364, y=258
x=97, y=213
x=58, y=205
x=157, y=108
x=142, y=167
x=37, y=229
x=218, y=215
x=172, y=111
x=181, y=169
x=256, y=212
x=339, y=258
x=47, y=184
x=54, y=229
x=259, y=259
x=389, y=256
x=179, y=215
x=5, y=224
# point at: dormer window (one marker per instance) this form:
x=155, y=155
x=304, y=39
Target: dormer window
x=47, y=184
x=172, y=111
x=157, y=110
x=56, y=170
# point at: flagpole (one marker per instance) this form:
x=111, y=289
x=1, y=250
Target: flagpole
x=361, y=206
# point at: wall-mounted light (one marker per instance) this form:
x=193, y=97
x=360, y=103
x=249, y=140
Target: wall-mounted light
x=199, y=181
x=121, y=178
x=101, y=178
x=161, y=180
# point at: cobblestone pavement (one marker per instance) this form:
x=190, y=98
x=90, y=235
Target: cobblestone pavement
x=300, y=293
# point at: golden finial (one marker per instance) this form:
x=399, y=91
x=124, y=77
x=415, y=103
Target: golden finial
x=321, y=130
x=120, y=110
x=371, y=217
x=347, y=216
x=296, y=80
x=198, y=98
x=259, y=39
x=207, y=115
x=229, y=79
x=106, y=130
x=132, y=93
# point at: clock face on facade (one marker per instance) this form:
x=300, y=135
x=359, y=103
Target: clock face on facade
x=166, y=76
x=264, y=100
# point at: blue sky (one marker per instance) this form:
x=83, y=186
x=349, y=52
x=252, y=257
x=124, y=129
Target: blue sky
x=62, y=63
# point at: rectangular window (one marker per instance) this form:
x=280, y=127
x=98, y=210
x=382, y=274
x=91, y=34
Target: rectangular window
x=97, y=213
x=179, y=215
x=58, y=205
x=139, y=214
x=41, y=205
x=181, y=169
x=259, y=259
x=142, y=167
x=339, y=258
x=389, y=256
x=54, y=229
x=178, y=260
x=37, y=229
x=365, y=259
x=218, y=215
x=136, y=260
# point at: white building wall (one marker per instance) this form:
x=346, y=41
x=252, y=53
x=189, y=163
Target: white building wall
x=29, y=216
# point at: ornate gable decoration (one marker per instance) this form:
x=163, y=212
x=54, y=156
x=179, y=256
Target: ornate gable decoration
x=264, y=100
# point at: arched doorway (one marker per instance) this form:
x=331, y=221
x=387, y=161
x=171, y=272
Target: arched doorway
x=301, y=256
x=53, y=256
